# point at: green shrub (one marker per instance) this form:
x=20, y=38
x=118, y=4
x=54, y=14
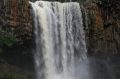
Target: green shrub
x=8, y=76
x=6, y=38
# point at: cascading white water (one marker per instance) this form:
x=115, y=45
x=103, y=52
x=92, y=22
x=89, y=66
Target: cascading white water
x=60, y=40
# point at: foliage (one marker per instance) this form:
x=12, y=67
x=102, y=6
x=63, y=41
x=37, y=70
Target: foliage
x=0, y=50
x=8, y=71
x=8, y=76
x=6, y=38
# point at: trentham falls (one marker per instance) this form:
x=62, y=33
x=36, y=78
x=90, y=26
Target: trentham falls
x=60, y=41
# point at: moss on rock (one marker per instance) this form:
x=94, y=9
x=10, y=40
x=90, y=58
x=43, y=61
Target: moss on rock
x=6, y=38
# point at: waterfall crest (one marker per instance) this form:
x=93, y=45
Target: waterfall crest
x=59, y=38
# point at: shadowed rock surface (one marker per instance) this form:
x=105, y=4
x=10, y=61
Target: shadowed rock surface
x=103, y=32
x=103, y=38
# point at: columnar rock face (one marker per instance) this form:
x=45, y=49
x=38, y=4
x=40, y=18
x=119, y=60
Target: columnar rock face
x=103, y=34
x=15, y=18
x=103, y=26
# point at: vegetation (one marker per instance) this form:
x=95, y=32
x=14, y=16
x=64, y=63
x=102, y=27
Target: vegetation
x=6, y=38
x=8, y=77
x=12, y=72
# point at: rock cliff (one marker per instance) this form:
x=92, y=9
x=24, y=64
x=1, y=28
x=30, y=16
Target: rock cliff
x=103, y=32
x=103, y=23
x=15, y=19
x=15, y=39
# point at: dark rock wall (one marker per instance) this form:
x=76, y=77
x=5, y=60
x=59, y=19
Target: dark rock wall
x=103, y=38
x=15, y=18
x=103, y=35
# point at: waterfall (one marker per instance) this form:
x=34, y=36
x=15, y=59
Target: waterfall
x=60, y=40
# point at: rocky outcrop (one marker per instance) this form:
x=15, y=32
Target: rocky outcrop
x=15, y=27
x=103, y=35
x=15, y=19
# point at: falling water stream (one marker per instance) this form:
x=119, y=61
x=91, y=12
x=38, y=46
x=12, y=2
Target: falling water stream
x=60, y=41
